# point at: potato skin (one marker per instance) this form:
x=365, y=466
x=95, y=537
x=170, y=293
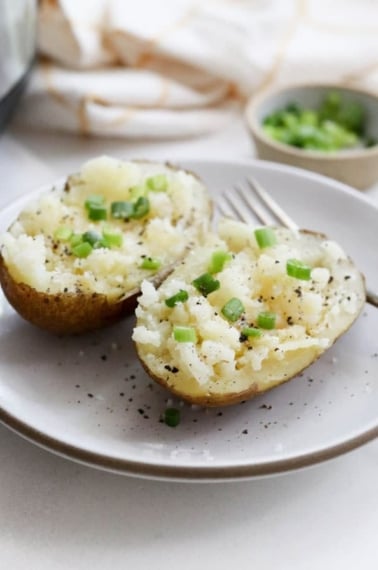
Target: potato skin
x=256, y=388
x=80, y=312
x=68, y=313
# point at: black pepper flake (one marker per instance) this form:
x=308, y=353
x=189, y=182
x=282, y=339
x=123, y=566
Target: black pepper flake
x=122, y=393
x=245, y=431
x=220, y=414
x=141, y=411
x=77, y=386
x=346, y=277
x=298, y=291
x=289, y=320
x=265, y=407
x=330, y=279
x=104, y=357
x=90, y=395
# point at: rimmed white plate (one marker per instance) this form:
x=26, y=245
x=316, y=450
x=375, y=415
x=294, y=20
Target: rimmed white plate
x=88, y=399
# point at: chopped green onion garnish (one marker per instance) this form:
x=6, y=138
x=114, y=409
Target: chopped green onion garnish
x=112, y=238
x=91, y=237
x=83, y=249
x=150, y=263
x=141, y=207
x=75, y=239
x=172, y=417
x=94, y=199
x=265, y=237
x=233, y=309
x=158, y=183
x=136, y=192
x=266, y=320
x=218, y=260
x=206, y=284
x=97, y=212
x=251, y=332
x=63, y=233
x=184, y=334
x=179, y=297
x=122, y=210
x=298, y=269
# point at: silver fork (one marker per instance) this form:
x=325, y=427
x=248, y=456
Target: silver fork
x=254, y=203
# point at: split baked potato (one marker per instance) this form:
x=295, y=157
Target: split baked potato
x=74, y=260
x=246, y=311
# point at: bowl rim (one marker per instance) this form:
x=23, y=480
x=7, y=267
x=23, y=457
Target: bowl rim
x=255, y=126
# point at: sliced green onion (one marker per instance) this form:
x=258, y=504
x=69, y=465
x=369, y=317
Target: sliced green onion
x=184, y=334
x=206, y=284
x=171, y=417
x=94, y=199
x=265, y=237
x=112, y=238
x=218, y=260
x=97, y=212
x=122, y=210
x=83, y=249
x=233, y=309
x=91, y=237
x=141, y=207
x=251, y=332
x=158, y=183
x=298, y=269
x=75, y=239
x=150, y=263
x=180, y=297
x=136, y=192
x=63, y=233
x=266, y=320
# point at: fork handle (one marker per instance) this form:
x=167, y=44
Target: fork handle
x=372, y=298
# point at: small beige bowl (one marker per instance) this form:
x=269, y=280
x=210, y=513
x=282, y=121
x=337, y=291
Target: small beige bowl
x=356, y=167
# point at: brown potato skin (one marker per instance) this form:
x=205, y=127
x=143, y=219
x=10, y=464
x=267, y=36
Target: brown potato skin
x=79, y=312
x=210, y=400
x=68, y=313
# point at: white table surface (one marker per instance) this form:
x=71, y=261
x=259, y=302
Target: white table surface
x=55, y=514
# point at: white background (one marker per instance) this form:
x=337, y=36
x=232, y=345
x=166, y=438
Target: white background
x=55, y=514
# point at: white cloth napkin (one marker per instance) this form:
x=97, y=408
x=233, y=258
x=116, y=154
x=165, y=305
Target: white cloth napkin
x=176, y=68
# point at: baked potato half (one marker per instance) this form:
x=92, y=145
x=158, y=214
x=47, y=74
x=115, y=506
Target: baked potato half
x=246, y=311
x=74, y=259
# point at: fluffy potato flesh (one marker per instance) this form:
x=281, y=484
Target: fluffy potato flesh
x=68, y=290
x=221, y=364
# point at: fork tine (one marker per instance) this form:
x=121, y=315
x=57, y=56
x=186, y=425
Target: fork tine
x=235, y=207
x=271, y=204
x=253, y=207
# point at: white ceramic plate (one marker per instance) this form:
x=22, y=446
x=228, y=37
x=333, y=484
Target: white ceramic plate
x=88, y=399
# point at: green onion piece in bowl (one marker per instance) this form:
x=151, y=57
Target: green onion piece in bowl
x=206, y=284
x=266, y=320
x=82, y=249
x=150, y=263
x=121, y=210
x=141, y=208
x=265, y=237
x=158, y=183
x=233, y=309
x=218, y=260
x=180, y=297
x=297, y=269
x=184, y=334
x=171, y=417
x=63, y=233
